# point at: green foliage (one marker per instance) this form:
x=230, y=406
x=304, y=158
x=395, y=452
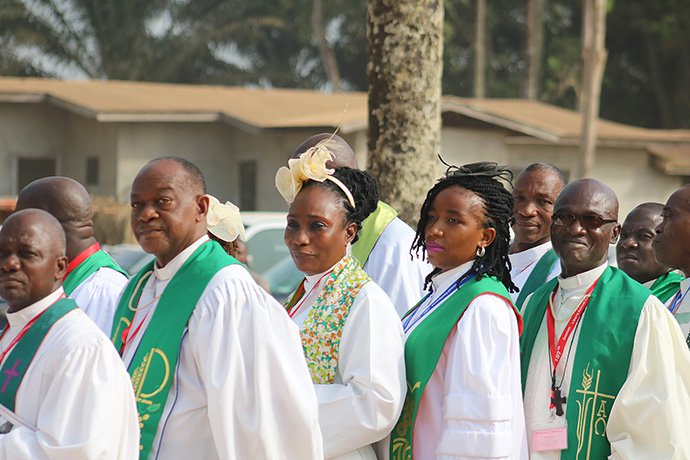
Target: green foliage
x=270, y=43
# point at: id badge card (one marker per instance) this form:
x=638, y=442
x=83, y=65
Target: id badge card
x=551, y=435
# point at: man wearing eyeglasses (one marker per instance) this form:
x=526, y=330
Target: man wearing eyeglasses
x=606, y=373
x=532, y=258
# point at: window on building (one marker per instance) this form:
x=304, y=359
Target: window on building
x=92, y=177
x=30, y=169
x=248, y=185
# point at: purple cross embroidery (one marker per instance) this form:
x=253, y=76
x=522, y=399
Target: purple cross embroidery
x=11, y=374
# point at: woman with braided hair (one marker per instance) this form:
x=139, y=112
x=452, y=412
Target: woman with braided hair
x=462, y=354
x=351, y=333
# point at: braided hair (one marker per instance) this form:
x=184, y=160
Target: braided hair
x=364, y=189
x=482, y=180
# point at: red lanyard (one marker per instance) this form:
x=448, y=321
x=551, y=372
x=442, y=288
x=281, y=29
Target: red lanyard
x=81, y=257
x=21, y=334
x=557, y=353
x=126, y=341
x=293, y=310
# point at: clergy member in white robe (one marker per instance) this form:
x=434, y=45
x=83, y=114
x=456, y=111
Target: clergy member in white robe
x=646, y=422
x=76, y=399
x=462, y=357
x=216, y=363
x=360, y=406
x=351, y=333
x=606, y=373
x=475, y=395
x=64, y=393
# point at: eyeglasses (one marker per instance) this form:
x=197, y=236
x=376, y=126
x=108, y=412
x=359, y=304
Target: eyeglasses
x=588, y=221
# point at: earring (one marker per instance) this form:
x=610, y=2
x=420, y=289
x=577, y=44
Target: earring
x=481, y=250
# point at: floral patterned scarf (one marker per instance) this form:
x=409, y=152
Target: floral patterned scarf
x=323, y=328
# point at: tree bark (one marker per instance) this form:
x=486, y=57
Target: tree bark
x=330, y=63
x=535, y=47
x=594, y=55
x=480, y=50
x=404, y=74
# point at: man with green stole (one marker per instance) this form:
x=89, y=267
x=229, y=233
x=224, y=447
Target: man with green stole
x=64, y=393
x=93, y=279
x=605, y=369
x=532, y=259
x=216, y=363
x=383, y=247
x=671, y=248
x=635, y=254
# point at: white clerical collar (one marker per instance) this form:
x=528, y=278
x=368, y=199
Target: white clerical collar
x=167, y=272
x=23, y=316
x=311, y=280
x=530, y=255
x=444, y=279
x=582, y=280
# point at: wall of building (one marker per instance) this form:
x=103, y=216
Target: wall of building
x=627, y=171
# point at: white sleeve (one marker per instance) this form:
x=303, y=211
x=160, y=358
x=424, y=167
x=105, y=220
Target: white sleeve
x=394, y=270
x=649, y=417
x=364, y=408
x=482, y=384
x=99, y=295
x=261, y=402
x=88, y=411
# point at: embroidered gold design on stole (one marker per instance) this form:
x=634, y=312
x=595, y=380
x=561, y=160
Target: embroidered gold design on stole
x=402, y=450
x=592, y=413
x=139, y=377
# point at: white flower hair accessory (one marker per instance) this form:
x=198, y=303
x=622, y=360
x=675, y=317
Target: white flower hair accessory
x=311, y=165
x=224, y=220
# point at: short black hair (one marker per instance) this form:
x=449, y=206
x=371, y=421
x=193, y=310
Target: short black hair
x=541, y=166
x=194, y=174
x=481, y=179
x=364, y=189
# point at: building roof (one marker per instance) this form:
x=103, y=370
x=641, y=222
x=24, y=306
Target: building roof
x=120, y=101
x=255, y=109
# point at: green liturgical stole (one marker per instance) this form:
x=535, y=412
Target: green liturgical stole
x=423, y=349
x=155, y=360
x=372, y=228
x=666, y=286
x=87, y=268
x=22, y=355
x=538, y=276
x=602, y=359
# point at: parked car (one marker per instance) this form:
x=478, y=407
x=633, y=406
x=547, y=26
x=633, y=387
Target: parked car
x=270, y=256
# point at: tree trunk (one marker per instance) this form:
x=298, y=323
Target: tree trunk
x=535, y=47
x=480, y=50
x=328, y=59
x=594, y=54
x=404, y=74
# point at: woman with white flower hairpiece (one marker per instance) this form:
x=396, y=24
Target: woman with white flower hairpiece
x=351, y=334
x=224, y=224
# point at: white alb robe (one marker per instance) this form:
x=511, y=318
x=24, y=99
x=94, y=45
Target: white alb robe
x=76, y=399
x=389, y=265
x=523, y=263
x=364, y=403
x=472, y=404
x=682, y=314
x=98, y=296
x=241, y=389
x=651, y=410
